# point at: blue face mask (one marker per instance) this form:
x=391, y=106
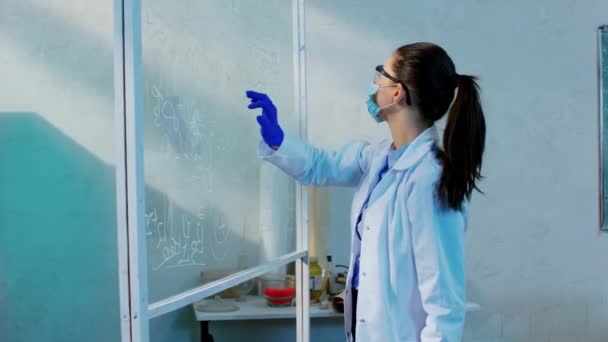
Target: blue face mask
x=372, y=106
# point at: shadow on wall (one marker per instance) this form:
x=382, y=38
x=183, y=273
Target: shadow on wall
x=58, y=254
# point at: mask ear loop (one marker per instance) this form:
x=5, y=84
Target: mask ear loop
x=407, y=96
x=385, y=86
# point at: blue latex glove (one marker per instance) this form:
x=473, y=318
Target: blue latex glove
x=269, y=125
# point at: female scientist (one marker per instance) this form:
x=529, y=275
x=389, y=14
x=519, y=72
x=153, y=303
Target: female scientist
x=406, y=279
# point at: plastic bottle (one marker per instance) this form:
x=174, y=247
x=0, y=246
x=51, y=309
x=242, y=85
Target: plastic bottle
x=316, y=282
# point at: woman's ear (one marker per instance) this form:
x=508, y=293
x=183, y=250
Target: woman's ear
x=400, y=93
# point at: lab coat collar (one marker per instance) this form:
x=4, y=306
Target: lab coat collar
x=417, y=149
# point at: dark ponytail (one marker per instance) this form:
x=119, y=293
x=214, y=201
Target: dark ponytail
x=463, y=145
x=431, y=78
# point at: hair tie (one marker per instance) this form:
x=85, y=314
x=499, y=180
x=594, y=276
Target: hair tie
x=456, y=78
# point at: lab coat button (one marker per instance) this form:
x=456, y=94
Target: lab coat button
x=362, y=321
x=367, y=227
x=364, y=274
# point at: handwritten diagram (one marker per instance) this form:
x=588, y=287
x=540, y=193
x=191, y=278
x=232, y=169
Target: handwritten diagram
x=199, y=150
x=186, y=241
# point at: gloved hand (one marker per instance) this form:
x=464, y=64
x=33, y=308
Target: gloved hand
x=269, y=125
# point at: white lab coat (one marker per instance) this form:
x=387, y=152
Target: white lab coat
x=412, y=279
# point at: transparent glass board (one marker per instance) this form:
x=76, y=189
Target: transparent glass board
x=212, y=206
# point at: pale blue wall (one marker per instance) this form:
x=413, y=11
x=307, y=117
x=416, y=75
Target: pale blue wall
x=534, y=258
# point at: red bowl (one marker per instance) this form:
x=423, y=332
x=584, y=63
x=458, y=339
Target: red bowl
x=279, y=290
x=279, y=296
